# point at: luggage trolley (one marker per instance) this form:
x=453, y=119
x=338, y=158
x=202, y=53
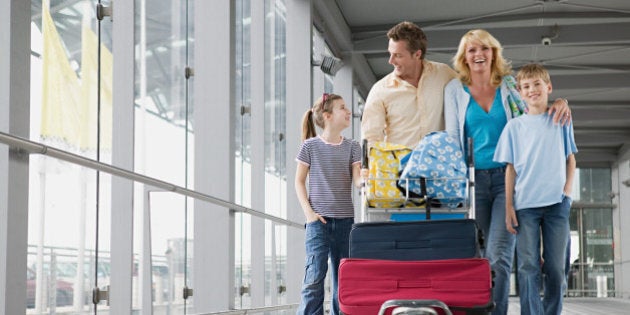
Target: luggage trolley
x=411, y=206
x=414, y=307
x=417, y=267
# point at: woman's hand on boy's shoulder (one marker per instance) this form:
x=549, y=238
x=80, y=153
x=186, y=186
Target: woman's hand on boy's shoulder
x=560, y=111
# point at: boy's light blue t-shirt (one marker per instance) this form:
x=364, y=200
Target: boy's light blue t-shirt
x=538, y=149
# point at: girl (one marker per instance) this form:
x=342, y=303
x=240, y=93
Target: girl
x=332, y=163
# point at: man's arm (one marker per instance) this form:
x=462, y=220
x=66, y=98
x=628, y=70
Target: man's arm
x=510, y=213
x=374, y=119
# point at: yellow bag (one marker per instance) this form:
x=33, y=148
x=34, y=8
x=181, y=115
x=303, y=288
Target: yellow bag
x=384, y=161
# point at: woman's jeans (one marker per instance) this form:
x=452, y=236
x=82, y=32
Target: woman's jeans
x=553, y=223
x=323, y=241
x=490, y=216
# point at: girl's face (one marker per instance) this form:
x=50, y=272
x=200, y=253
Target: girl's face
x=340, y=116
x=478, y=57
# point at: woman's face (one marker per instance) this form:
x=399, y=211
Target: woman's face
x=478, y=57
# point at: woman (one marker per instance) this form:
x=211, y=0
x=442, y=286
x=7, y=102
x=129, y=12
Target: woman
x=478, y=105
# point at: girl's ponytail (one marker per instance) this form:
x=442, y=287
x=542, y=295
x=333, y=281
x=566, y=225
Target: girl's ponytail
x=308, y=128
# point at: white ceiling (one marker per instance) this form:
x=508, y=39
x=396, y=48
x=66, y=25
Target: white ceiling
x=588, y=58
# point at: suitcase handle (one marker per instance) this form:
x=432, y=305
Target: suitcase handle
x=414, y=284
x=364, y=158
x=414, y=304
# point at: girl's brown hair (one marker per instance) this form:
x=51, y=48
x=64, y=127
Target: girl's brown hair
x=315, y=115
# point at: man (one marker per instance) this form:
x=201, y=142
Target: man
x=408, y=103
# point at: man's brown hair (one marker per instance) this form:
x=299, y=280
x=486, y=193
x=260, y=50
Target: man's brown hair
x=412, y=34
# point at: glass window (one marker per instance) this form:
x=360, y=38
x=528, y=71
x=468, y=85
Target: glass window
x=164, y=145
x=591, y=256
x=591, y=272
x=67, y=201
x=275, y=144
x=242, y=123
x=594, y=185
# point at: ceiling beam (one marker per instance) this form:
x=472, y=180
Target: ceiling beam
x=329, y=20
x=595, y=158
x=514, y=19
x=598, y=105
x=591, y=81
x=526, y=36
x=613, y=138
x=625, y=130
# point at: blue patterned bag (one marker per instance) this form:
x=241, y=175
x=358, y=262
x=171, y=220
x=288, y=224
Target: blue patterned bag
x=439, y=159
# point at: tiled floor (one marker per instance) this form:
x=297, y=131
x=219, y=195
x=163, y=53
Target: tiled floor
x=584, y=306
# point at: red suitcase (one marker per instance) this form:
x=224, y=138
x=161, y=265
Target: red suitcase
x=465, y=285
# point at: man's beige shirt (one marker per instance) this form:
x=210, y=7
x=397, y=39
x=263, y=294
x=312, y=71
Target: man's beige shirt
x=398, y=112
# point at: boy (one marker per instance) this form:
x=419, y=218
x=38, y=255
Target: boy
x=538, y=178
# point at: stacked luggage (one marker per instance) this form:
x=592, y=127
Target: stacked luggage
x=416, y=260
x=416, y=267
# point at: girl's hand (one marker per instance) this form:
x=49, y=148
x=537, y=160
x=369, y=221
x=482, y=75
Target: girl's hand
x=313, y=216
x=365, y=173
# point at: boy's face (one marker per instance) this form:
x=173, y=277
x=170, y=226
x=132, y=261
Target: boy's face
x=535, y=91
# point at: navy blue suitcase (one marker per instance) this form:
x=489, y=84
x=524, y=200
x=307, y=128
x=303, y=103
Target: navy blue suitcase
x=416, y=240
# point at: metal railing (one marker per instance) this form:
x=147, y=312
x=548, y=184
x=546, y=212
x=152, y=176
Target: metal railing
x=32, y=147
x=23, y=146
x=255, y=310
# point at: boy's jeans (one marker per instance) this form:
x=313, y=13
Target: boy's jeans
x=323, y=240
x=490, y=215
x=553, y=222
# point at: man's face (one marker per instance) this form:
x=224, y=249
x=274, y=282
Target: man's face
x=404, y=62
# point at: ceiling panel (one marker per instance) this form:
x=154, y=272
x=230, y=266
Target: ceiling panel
x=588, y=58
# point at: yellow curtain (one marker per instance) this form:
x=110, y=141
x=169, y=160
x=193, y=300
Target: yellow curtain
x=61, y=95
x=69, y=104
x=89, y=84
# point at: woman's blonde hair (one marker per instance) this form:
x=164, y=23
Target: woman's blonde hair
x=500, y=66
x=315, y=115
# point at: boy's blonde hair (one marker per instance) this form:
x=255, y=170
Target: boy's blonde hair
x=533, y=71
